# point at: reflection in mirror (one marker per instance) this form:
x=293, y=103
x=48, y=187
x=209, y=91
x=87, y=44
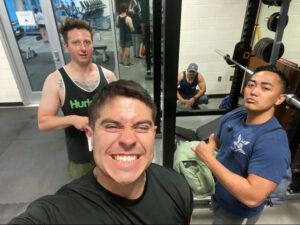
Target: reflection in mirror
x=191, y=88
x=28, y=23
x=97, y=13
x=133, y=24
x=205, y=27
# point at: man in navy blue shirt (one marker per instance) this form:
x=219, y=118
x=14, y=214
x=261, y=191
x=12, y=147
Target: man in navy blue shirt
x=191, y=87
x=253, y=151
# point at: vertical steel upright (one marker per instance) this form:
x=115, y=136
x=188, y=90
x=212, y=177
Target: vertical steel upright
x=282, y=21
x=172, y=19
x=242, y=50
x=157, y=59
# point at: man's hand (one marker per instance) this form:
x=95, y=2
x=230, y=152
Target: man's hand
x=191, y=101
x=183, y=101
x=80, y=122
x=206, y=151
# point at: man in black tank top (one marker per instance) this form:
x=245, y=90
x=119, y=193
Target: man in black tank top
x=72, y=88
x=187, y=83
x=125, y=25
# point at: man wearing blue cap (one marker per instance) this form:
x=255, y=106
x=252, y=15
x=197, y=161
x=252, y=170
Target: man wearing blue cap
x=187, y=83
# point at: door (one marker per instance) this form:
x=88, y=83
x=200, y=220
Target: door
x=34, y=47
x=31, y=31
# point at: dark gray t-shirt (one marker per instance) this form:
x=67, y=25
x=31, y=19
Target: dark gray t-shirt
x=167, y=199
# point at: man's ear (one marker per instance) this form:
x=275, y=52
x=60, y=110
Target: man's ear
x=89, y=135
x=280, y=99
x=88, y=132
x=66, y=47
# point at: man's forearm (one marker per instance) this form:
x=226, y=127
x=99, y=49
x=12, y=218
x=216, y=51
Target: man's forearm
x=48, y=123
x=199, y=94
x=180, y=98
x=237, y=185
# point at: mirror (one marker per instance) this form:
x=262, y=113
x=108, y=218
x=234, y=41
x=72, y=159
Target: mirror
x=207, y=26
x=134, y=51
x=97, y=13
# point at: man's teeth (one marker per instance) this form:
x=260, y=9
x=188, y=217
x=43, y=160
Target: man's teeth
x=125, y=158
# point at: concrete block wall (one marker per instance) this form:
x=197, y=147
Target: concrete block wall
x=9, y=91
x=207, y=25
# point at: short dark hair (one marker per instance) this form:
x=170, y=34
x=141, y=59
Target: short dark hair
x=126, y=88
x=274, y=69
x=123, y=7
x=136, y=9
x=71, y=24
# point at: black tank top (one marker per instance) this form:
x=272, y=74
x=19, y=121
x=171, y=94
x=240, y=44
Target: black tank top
x=77, y=101
x=125, y=32
x=186, y=89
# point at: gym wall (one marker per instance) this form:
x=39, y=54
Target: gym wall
x=207, y=25
x=8, y=89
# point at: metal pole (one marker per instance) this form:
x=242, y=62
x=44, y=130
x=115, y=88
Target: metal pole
x=172, y=19
x=227, y=57
x=279, y=31
x=157, y=21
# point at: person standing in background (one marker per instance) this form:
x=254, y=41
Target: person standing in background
x=124, y=23
x=71, y=88
x=139, y=31
x=40, y=22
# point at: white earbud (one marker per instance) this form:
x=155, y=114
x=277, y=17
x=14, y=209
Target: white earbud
x=90, y=144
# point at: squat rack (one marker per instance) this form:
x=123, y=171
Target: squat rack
x=171, y=12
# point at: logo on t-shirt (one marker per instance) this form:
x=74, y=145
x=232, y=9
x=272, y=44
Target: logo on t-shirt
x=76, y=104
x=239, y=144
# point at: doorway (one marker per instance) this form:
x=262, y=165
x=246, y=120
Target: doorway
x=31, y=30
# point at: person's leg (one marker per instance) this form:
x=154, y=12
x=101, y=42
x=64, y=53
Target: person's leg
x=127, y=60
x=135, y=47
x=254, y=219
x=76, y=170
x=202, y=99
x=121, y=55
x=138, y=45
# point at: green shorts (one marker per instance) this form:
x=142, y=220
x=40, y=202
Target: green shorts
x=76, y=170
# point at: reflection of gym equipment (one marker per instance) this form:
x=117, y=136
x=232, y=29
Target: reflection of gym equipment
x=291, y=99
x=92, y=9
x=101, y=49
x=228, y=60
x=263, y=49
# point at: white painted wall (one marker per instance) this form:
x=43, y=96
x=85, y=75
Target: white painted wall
x=9, y=91
x=207, y=25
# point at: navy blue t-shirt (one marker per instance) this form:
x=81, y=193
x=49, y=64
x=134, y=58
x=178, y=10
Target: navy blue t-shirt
x=250, y=149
